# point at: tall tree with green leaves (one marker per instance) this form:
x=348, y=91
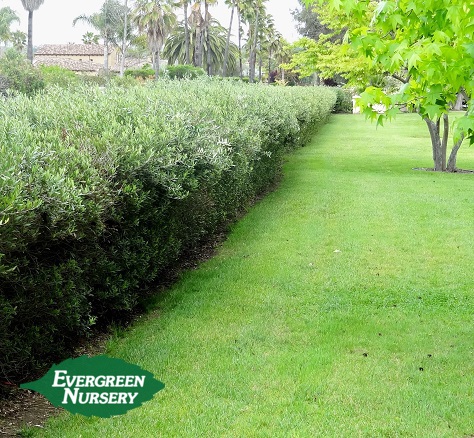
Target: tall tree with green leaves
x=156, y=19
x=275, y=45
x=232, y=4
x=7, y=17
x=253, y=12
x=265, y=33
x=238, y=7
x=18, y=39
x=125, y=35
x=31, y=6
x=109, y=23
x=432, y=41
x=185, y=5
x=207, y=23
x=268, y=35
x=174, y=49
x=308, y=21
x=197, y=24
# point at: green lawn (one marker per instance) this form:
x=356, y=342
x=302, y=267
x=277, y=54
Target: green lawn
x=340, y=306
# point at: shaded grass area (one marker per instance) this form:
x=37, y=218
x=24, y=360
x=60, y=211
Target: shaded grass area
x=341, y=305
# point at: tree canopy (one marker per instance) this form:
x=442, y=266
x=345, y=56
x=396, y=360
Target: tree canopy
x=431, y=43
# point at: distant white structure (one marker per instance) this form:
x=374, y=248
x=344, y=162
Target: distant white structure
x=377, y=107
x=355, y=108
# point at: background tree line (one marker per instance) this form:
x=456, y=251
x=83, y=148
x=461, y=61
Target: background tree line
x=180, y=31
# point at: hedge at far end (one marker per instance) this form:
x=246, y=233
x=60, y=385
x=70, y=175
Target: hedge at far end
x=102, y=190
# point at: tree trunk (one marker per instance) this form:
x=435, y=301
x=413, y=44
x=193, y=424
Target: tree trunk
x=459, y=102
x=260, y=67
x=156, y=64
x=186, y=33
x=444, y=143
x=440, y=145
x=240, y=44
x=198, y=48
x=207, y=21
x=208, y=54
x=125, y=24
x=453, y=156
x=269, y=64
x=201, y=48
x=198, y=43
x=30, y=37
x=227, y=44
x=436, y=144
x=106, y=56
x=253, y=50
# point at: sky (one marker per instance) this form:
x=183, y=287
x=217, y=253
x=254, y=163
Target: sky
x=52, y=22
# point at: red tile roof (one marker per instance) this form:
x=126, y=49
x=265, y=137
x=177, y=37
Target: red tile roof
x=70, y=49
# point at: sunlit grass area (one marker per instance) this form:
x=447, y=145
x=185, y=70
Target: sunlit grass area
x=341, y=305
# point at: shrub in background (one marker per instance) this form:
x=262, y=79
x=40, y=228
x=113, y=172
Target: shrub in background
x=55, y=75
x=100, y=80
x=344, y=100
x=146, y=72
x=20, y=74
x=183, y=71
x=103, y=189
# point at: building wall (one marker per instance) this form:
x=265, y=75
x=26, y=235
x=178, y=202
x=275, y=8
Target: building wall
x=96, y=59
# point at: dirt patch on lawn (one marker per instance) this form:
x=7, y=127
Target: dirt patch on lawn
x=430, y=169
x=23, y=408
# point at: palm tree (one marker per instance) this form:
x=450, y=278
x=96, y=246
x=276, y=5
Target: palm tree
x=232, y=4
x=275, y=45
x=124, y=37
x=90, y=38
x=156, y=20
x=207, y=21
x=18, y=38
x=185, y=4
x=283, y=55
x=252, y=12
x=268, y=38
x=108, y=22
x=241, y=32
x=196, y=22
x=174, y=49
x=31, y=6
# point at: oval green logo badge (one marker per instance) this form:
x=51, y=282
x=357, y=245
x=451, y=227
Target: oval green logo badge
x=98, y=386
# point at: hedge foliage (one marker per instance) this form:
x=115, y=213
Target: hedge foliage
x=184, y=71
x=343, y=100
x=18, y=75
x=171, y=71
x=145, y=72
x=101, y=190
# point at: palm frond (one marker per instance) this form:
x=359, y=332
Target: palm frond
x=32, y=5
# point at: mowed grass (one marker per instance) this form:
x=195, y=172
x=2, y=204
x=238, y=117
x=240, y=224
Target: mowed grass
x=341, y=305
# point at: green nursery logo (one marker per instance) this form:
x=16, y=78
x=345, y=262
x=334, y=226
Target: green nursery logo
x=100, y=386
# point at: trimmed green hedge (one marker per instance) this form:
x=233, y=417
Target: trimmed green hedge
x=343, y=100
x=183, y=71
x=101, y=190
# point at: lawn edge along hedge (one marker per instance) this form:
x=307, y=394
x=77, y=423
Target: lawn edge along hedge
x=102, y=189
